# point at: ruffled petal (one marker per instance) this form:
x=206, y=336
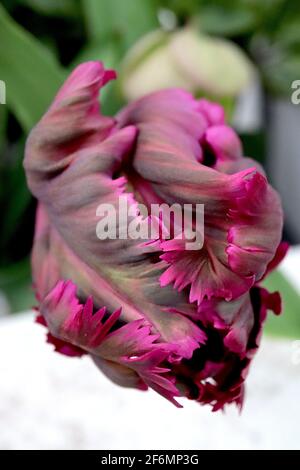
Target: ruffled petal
x=243, y=216
x=213, y=112
x=72, y=321
x=223, y=143
x=149, y=369
x=60, y=346
x=133, y=345
x=280, y=254
x=235, y=319
x=72, y=122
x=237, y=248
x=198, y=339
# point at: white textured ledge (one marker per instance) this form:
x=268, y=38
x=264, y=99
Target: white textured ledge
x=289, y=267
x=48, y=401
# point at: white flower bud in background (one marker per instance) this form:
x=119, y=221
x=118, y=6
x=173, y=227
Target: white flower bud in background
x=187, y=59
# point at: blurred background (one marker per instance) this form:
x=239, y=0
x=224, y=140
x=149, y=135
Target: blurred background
x=243, y=53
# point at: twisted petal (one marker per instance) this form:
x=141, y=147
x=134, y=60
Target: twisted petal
x=132, y=345
x=241, y=231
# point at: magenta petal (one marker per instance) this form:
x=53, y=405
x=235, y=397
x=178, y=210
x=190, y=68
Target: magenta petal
x=213, y=112
x=280, y=254
x=132, y=345
x=60, y=346
x=256, y=232
x=73, y=322
x=235, y=319
x=120, y=374
x=149, y=369
x=223, y=142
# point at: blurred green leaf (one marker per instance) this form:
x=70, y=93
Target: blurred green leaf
x=279, y=65
x=15, y=282
x=288, y=323
x=10, y=5
x=278, y=77
x=17, y=195
x=228, y=103
x=126, y=19
x=288, y=35
x=29, y=70
x=3, y=120
x=108, y=53
x=54, y=7
x=226, y=20
x=279, y=70
x=182, y=8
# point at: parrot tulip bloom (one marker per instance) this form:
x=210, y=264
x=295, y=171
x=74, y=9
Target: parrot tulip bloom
x=151, y=314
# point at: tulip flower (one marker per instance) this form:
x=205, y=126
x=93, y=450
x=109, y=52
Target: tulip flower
x=151, y=313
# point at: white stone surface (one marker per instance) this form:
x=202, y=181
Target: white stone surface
x=48, y=401
x=289, y=267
